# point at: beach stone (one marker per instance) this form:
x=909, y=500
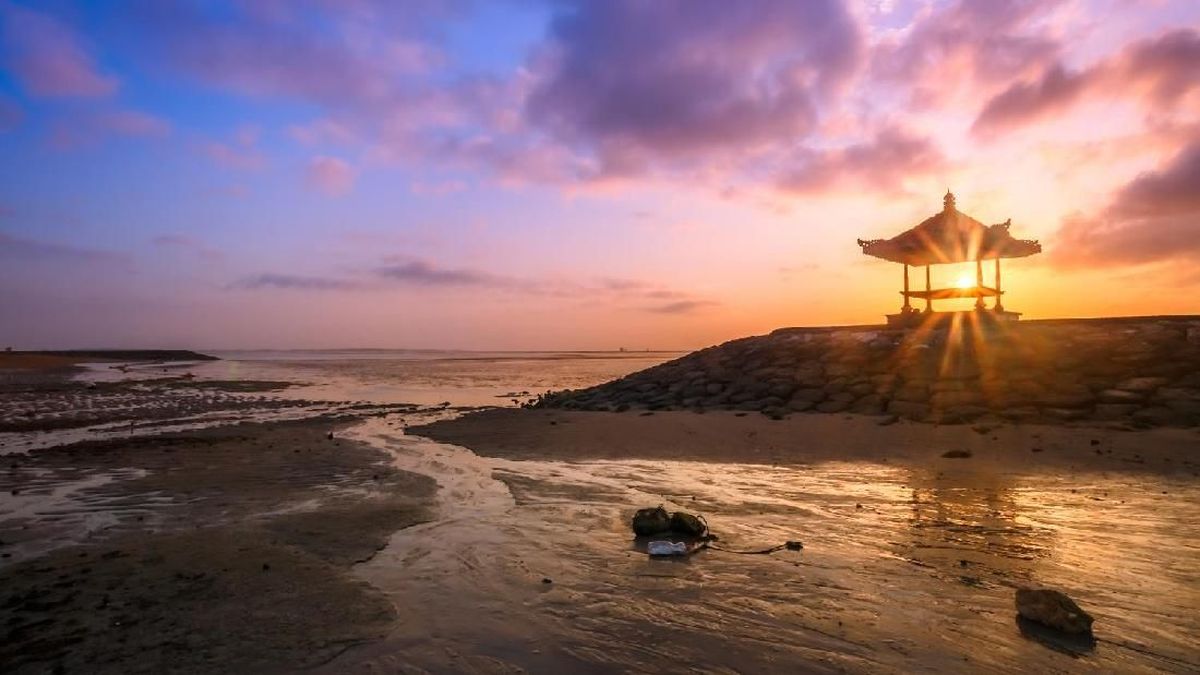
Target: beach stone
x=653, y=521
x=833, y=406
x=801, y=405
x=1114, y=411
x=1155, y=416
x=1121, y=396
x=871, y=404
x=1054, y=609
x=1142, y=384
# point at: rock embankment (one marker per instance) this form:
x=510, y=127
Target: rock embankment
x=1136, y=371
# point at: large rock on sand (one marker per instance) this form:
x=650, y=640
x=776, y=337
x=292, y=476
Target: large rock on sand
x=1054, y=609
x=648, y=522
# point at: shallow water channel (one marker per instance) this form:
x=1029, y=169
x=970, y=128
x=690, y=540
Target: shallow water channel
x=529, y=566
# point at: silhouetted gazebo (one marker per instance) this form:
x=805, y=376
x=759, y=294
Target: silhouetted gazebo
x=950, y=237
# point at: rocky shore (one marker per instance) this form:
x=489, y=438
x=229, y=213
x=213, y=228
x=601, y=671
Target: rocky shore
x=1136, y=372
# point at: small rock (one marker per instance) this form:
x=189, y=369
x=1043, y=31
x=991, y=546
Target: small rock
x=547, y=580
x=1054, y=609
x=889, y=420
x=266, y=567
x=956, y=454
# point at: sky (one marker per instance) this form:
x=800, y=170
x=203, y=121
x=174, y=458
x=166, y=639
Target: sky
x=572, y=174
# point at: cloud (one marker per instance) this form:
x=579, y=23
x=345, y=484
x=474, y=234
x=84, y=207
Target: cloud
x=188, y=244
x=682, y=307
x=1159, y=70
x=322, y=131
x=881, y=163
x=1024, y=101
x=634, y=81
x=295, y=282
x=48, y=57
x=241, y=152
x=437, y=188
x=1154, y=218
x=16, y=249
x=334, y=53
x=965, y=44
x=422, y=274
x=330, y=175
x=84, y=129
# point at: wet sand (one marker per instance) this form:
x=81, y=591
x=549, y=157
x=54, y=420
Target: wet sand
x=218, y=550
x=725, y=436
x=268, y=547
x=910, y=563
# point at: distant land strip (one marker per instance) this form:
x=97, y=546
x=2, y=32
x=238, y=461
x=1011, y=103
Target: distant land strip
x=122, y=354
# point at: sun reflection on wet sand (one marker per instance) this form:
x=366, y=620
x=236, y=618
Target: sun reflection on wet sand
x=901, y=566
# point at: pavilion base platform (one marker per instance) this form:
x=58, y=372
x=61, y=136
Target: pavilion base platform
x=937, y=320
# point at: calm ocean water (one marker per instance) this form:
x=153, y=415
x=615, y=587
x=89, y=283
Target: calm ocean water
x=428, y=376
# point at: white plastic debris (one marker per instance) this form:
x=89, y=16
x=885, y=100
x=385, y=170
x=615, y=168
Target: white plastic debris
x=665, y=548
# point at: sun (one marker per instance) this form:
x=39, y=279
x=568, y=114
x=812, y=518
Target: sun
x=964, y=281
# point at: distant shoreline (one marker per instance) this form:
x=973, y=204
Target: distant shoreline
x=106, y=355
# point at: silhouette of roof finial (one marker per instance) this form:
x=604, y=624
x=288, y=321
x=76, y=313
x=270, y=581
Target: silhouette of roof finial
x=948, y=200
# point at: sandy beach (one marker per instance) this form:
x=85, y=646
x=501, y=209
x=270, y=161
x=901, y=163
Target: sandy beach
x=725, y=436
x=231, y=545
x=228, y=536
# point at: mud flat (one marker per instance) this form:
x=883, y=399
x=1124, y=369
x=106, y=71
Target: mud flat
x=214, y=550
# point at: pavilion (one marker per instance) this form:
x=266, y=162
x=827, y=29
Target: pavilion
x=950, y=237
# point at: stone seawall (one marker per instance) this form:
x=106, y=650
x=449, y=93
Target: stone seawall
x=1133, y=371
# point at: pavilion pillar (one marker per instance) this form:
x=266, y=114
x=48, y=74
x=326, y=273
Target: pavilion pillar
x=999, y=305
x=907, y=306
x=979, y=283
x=928, y=297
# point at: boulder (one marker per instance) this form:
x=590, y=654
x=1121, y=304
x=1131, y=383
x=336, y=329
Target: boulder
x=1142, y=384
x=1120, y=396
x=1053, y=609
x=647, y=522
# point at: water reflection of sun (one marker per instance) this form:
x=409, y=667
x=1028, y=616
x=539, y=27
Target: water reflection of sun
x=964, y=281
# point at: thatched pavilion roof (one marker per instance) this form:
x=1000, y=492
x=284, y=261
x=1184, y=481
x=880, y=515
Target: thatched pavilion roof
x=950, y=237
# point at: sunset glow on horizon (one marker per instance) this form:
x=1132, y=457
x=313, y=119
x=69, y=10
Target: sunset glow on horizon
x=538, y=174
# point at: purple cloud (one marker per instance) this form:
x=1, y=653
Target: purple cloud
x=421, y=273
x=189, y=244
x=1161, y=69
x=338, y=54
x=330, y=175
x=295, y=282
x=881, y=163
x=1024, y=101
x=20, y=250
x=89, y=128
x=681, y=307
x=966, y=43
x=48, y=57
x=1154, y=218
x=631, y=81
